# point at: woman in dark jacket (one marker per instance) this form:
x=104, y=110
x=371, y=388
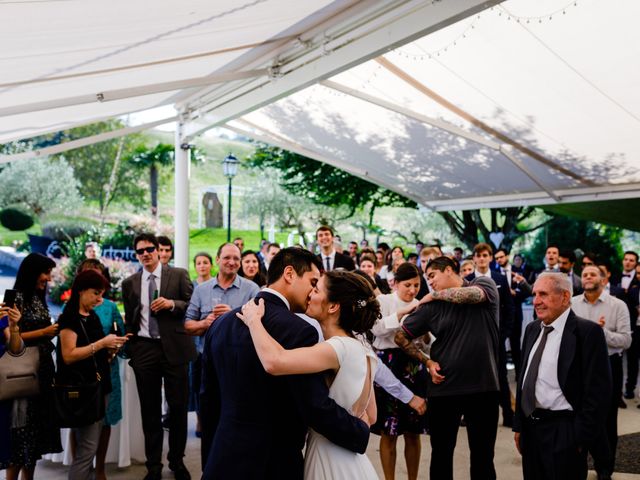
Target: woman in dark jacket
x=84, y=356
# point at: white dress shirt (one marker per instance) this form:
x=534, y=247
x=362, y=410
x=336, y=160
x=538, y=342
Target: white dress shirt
x=506, y=271
x=386, y=327
x=486, y=274
x=617, y=326
x=144, y=298
x=279, y=295
x=332, y=258
x=626, y=278
x=549, y=396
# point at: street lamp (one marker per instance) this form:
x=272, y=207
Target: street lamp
x=230, y=169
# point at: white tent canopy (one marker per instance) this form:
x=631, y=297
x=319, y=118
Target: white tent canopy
x=507, y=107
x=456, y=104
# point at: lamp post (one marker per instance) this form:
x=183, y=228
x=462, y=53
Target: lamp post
x=230, y=169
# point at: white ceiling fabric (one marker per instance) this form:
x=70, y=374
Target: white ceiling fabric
x=93, y=46
x=562, y=84
x=558, y=79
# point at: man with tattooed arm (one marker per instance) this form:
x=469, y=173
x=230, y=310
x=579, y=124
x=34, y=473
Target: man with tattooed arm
x=463, y=316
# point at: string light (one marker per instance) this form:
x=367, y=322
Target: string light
x=501, y=10
x=536, y=18
x=436, y=53
x=371, y=77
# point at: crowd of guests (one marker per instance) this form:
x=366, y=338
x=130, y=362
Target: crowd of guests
x=441, y=327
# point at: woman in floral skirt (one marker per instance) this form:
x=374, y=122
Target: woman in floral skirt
x=33, y=428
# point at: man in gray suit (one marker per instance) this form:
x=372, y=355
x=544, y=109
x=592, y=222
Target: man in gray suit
x=155, y=300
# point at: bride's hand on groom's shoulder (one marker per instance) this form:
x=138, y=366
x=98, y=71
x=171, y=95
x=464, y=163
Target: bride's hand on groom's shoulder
x=251, y=312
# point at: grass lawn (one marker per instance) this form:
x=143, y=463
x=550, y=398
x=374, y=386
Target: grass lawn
x=7, y=237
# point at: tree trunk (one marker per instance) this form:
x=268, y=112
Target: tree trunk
x=108, y=194
x=153, y=186
x=372, y=211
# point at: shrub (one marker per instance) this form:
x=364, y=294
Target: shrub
x=62, y=231
x=15, y=219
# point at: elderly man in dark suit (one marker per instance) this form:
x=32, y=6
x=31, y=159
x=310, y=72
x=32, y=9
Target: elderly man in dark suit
x=564, y=392
x=331, y=259
x=254, y=424
x=155, y=300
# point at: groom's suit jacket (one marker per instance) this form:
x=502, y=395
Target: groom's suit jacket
x=254, y=424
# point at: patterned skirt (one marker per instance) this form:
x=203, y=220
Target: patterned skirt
x=394, y=417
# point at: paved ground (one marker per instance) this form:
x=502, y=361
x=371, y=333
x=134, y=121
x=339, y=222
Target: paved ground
x=506, y=460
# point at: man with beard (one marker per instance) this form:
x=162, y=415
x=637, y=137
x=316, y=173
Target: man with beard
x=611, y=314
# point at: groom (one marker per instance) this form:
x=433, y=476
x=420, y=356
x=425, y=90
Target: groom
x=253, y=424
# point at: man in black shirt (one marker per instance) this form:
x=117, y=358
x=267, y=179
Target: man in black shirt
x=463, y=316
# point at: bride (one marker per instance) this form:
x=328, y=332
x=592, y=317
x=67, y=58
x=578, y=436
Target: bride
x=345, y=305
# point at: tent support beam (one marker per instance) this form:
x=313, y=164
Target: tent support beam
x=83, y=142
x=404, y=76
x=181, y=213
x=413, y=19
x=123, y=93
x=443, y=125
x=534, y=178
x=524, y=199
x=434, y=122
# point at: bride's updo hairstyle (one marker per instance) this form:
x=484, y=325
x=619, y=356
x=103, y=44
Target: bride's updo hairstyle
x=359, y=308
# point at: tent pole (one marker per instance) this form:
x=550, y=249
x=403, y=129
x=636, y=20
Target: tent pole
x=181, y=214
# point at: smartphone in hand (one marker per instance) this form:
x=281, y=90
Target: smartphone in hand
x=10, y=297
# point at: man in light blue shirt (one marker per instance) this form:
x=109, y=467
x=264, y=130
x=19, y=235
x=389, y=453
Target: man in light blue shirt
x=211, y=299
x=221, y=294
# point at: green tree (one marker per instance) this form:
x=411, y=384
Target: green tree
x=103, y=175
x=40, y=184
x=474, y=226
x=268, y=200
x=151, y=159
x=324, y=184
x=581, y=236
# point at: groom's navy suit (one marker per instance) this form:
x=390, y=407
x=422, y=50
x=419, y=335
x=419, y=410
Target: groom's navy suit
x=254, y=424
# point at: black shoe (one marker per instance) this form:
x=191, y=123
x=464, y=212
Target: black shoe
x=603, y=476
x=507, y=421
x=180, y=472
x=629, y=395
x=165, y=422
x=153, y=475
x=621, y=403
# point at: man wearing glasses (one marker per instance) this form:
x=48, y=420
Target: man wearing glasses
x=155, y=300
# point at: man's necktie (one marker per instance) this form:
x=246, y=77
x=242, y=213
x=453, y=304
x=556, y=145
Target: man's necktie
x=507, y=273
x=154, y=331
x=328, y=260
x=528, y=400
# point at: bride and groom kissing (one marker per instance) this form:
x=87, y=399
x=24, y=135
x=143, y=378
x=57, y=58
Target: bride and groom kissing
x=267, y=384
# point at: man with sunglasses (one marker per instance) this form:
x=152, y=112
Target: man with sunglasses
x=155, y=300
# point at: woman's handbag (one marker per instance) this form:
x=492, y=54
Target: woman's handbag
x=79, y=404
x=19, y=374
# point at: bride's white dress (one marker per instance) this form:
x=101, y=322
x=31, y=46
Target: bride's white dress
x=325, y=460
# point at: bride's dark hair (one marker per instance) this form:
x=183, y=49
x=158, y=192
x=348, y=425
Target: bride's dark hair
x=359, y=308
